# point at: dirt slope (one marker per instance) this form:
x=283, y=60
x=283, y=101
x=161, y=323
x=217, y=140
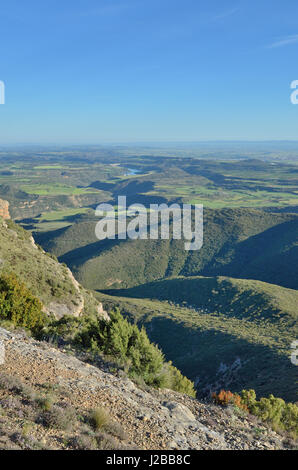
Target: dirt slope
x=152, y=419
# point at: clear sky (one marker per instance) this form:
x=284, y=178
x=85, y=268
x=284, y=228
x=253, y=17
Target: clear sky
x=94, y=71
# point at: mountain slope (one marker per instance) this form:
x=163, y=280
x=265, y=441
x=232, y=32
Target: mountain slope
x=140, y=419
x=238, y=243
x=249, y=299
x=204, y=325
x=220, y=332
x=50, y=281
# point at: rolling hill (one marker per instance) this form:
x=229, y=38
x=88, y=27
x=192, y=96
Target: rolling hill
x=220, y=332
x=238, y=298
x=239, y=243
x=225, y=315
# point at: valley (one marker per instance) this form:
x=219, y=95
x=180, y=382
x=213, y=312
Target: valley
x=148, y=229
x=225, y=315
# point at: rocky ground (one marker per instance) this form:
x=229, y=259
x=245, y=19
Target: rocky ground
x=46, y=396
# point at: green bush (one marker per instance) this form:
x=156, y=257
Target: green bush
x=274, y=411
x=18, y=305
x=178, y=382
x=99, y=418
x=126, y=343
x=46, y=403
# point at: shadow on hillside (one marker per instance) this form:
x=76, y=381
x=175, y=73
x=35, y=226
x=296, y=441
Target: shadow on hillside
x=199, y=353
x=211, y=294
x=43, y=238
x=271, y=256
x=84, y=253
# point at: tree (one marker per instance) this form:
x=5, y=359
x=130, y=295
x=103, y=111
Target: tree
x=19, y=305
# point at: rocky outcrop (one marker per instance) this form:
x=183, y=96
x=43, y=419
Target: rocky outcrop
x=52, y=282
x=60, y=310
x=4, y=209
x=152, y=419
x=102, y=312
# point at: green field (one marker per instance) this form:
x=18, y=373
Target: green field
x=61, y=215
x=48, y=167
x=57, y=219
x=262, y=192
x=55, y=189
x=93, y=177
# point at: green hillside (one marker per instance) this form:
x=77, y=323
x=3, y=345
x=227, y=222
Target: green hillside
x=48, y=280
x=34, y=283
x=238, y=298
x=220, y=332
x=225, y=315
x=240, y=243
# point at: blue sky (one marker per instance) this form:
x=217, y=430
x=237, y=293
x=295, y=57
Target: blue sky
x=95, y=71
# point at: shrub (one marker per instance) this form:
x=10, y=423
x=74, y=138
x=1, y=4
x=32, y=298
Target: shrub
x=116, y=430
x=19, y=305
x=66, y=327
x=274, y=411
x=290, y=418
x=125, y=342
x=129, y=346
x=59, y=418
x=10, y=383
x=83, y=442
x=106, y=442
x=249, y=398
x=225, y=398
x=12, y=403
x=13, y=384
x=46, y=403
x=26, y=442
x=99, y=418
x=178, y=382
x=28, y=392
